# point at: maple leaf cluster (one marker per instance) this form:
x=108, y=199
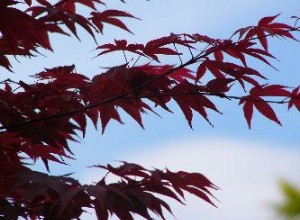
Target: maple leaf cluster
x=38, y=120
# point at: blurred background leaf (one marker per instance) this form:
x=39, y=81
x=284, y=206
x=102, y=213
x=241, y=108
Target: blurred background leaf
x=289, y=208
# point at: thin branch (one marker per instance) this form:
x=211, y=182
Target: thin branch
x=192, y=55
x=136, y=61
x=178, y=54
x=124, y=54
x=220, y=95
x=124, y=96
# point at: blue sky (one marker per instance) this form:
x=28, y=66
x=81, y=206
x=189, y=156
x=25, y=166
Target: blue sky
x=245, y=163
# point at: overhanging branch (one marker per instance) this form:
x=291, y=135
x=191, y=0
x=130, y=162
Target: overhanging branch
x=125, y=94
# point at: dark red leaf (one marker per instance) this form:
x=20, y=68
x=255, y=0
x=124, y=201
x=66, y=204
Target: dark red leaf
x=248, y=112
x=270, y=90
x=201, y=71
x=28, y=2
x=219, y=85
x=261, y=105
x=108, y=16
x=267, y=20
x=295, y=98
x=265, y=109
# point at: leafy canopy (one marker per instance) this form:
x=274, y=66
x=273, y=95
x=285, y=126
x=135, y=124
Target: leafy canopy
x=39, y=120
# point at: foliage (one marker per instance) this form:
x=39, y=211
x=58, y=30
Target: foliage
x=38, y=120
x=289, y=208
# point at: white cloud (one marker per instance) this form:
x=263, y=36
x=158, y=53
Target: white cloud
x=247, y=172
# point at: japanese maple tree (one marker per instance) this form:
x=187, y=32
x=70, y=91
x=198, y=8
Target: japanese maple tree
x=40, y=119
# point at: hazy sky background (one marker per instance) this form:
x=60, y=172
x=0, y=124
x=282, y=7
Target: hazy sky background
x=245, y=164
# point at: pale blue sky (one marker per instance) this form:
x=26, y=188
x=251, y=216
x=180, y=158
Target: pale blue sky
x=217, y=18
